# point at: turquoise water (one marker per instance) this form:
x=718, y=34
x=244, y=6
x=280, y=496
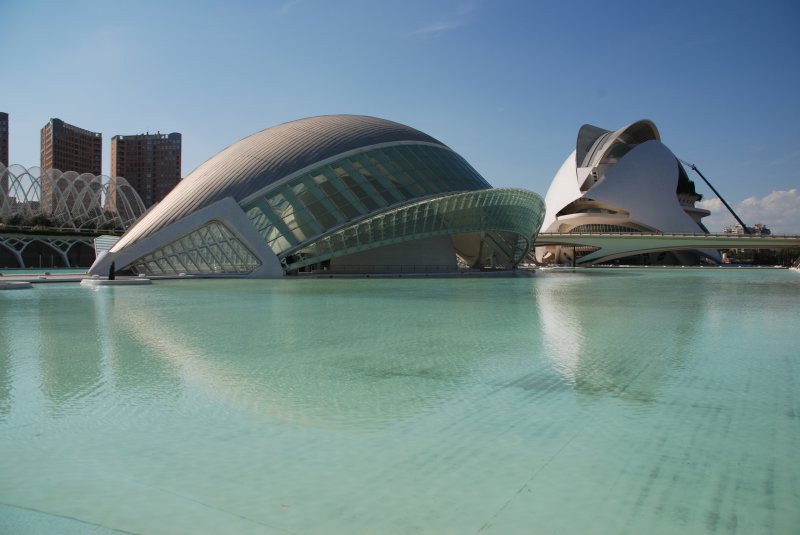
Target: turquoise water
x=603, y=401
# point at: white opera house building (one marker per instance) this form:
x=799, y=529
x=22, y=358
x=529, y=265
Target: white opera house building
x=623, y=181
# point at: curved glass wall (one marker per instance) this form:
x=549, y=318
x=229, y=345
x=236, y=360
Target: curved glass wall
x=510, y=218
x=352, y=188
x=67, y=200
x=210, y=250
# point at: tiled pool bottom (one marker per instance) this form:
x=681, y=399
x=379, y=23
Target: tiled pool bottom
x=594, y=402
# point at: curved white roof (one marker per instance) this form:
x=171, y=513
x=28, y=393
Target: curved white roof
x=593, y=142
x=266, y=157
x=642, y=182
x=563, y=190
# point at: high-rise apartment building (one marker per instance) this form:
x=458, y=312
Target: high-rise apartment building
x=151, y=163
x=4, y=138
x=4, y=149
x=68, y=148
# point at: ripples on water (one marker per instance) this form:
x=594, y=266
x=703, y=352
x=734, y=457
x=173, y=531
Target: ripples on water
x=600, y=401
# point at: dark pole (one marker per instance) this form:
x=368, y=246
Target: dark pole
x=696, y=170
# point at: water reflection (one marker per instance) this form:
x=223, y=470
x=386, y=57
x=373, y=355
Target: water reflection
x=63, y=346
x=5, y=373
x=595, y=334
x=349, y=353
x=328, y=354
x=132, y=368
x=333, y=353
x=19, y=338
x=69, y=356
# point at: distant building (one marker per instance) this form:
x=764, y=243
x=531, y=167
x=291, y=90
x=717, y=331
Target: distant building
x=68, y=148
x=749, y=256
x=65, y=148
x=758, y=229
x=151, y=163
x=4, y=138
x=4, y=149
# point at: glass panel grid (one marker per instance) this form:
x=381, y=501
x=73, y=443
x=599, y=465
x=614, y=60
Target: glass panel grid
x=303, y=217
x=350, y=205
x=367, y=168
x=371, y=187
x=515, y=212
x=352, y=188
x=402, y=162
x=431, y=168
x=356, y=189
x=211, y=249
x=404, y=183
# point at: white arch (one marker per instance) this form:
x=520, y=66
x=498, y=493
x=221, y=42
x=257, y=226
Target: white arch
x=71, y=201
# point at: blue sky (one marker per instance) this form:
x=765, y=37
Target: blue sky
x=507, y=84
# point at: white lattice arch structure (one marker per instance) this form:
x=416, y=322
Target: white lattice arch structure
x=70, y=201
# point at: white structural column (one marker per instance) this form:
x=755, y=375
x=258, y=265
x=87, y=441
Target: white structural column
x=15, y=243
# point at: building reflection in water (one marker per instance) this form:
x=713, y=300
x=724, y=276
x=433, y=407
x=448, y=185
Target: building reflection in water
x=6, y=378
x=595, y=335
x=293, y=354
x=315, y=353
x=69, y=355
x=133, y=369
x=20, y=336
x=288, y=352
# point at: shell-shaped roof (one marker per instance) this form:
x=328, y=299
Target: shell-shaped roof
x=593, y=142
x=267, y=156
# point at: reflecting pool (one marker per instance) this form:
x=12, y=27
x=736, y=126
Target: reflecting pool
x=601, y=401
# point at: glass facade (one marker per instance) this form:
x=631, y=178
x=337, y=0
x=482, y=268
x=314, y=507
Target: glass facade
x=365, y=184
x=509, y=217
x=352, y=188
x=209, y=250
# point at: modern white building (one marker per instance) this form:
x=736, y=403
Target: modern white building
x=336, y=193
x=623, y=181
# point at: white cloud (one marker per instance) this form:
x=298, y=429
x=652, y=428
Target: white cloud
x=457, y=20
x=713, y=205
x=719, y=218
x=779, y=211
x=438, y=27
